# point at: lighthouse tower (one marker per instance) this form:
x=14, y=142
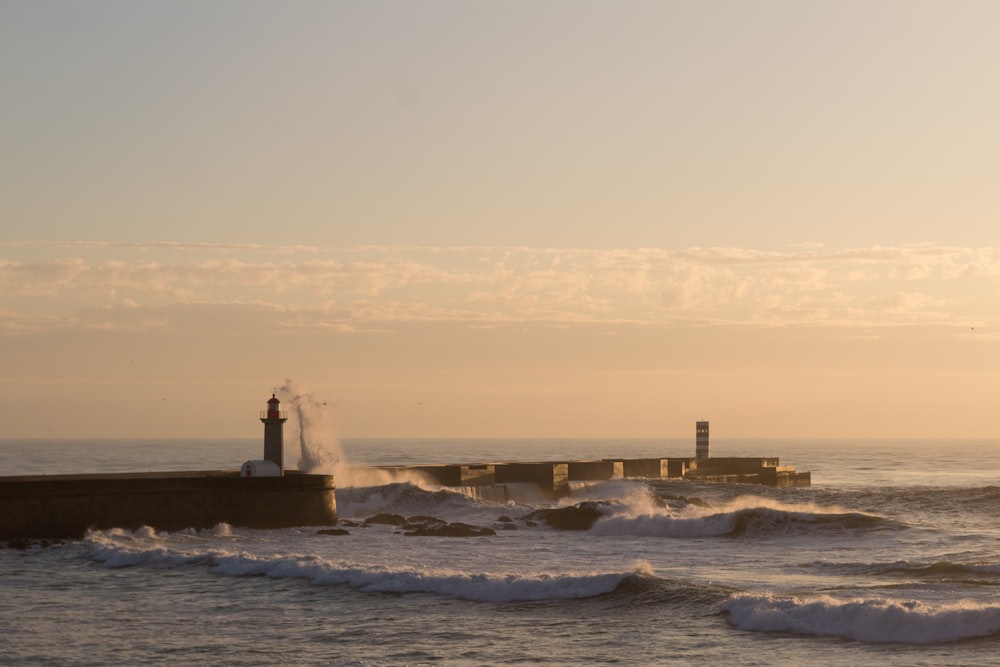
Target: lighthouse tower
x=701, y=441
x=274, y=423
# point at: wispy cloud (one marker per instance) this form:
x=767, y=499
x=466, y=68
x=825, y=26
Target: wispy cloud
x=356, y=288
x=157, y=245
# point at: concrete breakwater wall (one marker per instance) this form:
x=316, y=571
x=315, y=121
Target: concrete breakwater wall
x=66, y=506
x=554, y=477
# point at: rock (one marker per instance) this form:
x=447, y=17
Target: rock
x=332, y=531
x=18, y=543
x=449, y=530
x=575, y=517
x=668, y=500
x=419, y=518
x=387, y=519
x=418, y=522
x=24, y=543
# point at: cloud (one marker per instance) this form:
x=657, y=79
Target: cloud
x=362, y=288
x=158, y=245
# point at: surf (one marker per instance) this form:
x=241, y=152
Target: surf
x=877, y=620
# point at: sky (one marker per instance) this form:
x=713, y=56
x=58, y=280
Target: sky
x=520, y=219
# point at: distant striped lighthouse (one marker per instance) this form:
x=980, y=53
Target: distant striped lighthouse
x=701, y=440
x=274, y=424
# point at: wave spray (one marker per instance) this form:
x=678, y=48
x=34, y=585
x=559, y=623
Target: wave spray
x=319, y=446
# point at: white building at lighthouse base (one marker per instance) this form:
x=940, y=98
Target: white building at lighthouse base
x=260, y=469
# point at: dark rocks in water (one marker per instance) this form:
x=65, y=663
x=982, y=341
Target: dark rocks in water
x=333, y=531
x=386, y=519
x=574, y=517
x=443, y=529
x=506, y=523
x=424, y=526
x=420, y=518
x=23, y=544
x=420, y=522
x=18, y=543
x=668, y=500
x=348, y=523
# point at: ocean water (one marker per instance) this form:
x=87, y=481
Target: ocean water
x=891, y=557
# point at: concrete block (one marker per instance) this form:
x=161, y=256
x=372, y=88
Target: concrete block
x=651, y=468
x=587, y=471
x=550, y=477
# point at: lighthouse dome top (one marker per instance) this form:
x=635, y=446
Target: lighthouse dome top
x=273, y=400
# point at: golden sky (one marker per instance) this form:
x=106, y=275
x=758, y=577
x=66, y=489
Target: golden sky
x=501, y=219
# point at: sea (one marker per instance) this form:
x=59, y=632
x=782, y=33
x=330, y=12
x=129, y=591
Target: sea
x=891, y=557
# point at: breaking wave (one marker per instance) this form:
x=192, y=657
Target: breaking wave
x=944, y=570
x=867, y=620
x=747, y=518
x=938, y=571
x=118, y=549
x=627, y=510
x=402, y=498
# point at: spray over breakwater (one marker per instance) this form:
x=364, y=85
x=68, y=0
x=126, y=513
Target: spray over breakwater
x=319, y=445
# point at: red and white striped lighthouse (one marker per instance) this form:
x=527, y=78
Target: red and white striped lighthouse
x=274, y=419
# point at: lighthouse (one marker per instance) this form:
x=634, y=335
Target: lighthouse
x=701, y=440
x=274, y=419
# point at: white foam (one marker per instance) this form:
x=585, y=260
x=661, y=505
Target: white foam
x=319, y=446
x=485, y=587
x=641, y=518
x=119, y=549
x=664, y=525
x=406, y=499
x=633, y=497
x=866, y=619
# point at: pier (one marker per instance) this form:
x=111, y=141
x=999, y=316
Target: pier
x=261, y=494
x=58, y=506
x=553, y=478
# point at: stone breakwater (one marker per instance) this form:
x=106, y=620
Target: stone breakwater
x=66, y=506
x=553, y=478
